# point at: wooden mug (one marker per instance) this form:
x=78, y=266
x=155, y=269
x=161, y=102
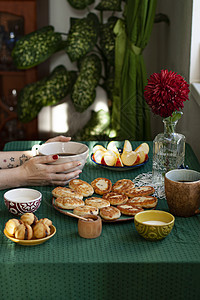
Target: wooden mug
x=91, y=228
x=182, y=190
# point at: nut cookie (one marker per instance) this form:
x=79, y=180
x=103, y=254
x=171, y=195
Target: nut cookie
x=101, y=185
x=139, y=191
x=115, y=198
x=66, y=192
x=97, y=202
x=121, y=185
x=129, y=210
x=143, y=201
x=11, y=226
x=29, y=218
x=81, y=187
x=110, y=213
x=68, y=203
x=86, y=210
x=24, y=232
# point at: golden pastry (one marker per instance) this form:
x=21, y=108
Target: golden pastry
x=81, y=187
x=110, y=213
x=97, y=202
x=46, y=221
x=101, y=185
x=41, y=230
x=29, y=218
x=143, y=201
x=24, y=232
x=115, y=198
x=11, y=226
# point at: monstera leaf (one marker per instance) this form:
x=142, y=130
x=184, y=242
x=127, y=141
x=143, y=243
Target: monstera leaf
x=84, y=89
x=109, y=5
x=82, y=36
x=36, y=47
x=47, y=91
x=107, y=39
x=80, y=4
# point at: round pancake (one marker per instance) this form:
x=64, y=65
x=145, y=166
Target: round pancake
x=68, y=203
x=121, y=185
x=101, y=185
x=97, y=202
x=66, y=192
x=139, y=191
x=115, y=198
x=143, y=201
x=81, y=187
x=86, y=210
x=129, y=210
x=110, y=213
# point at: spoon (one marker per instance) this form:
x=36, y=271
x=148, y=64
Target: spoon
x=78, y=217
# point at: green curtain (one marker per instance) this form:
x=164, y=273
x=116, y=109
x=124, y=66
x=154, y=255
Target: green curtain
x=130, y=113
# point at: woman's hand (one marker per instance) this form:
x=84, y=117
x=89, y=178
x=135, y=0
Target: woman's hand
x=39, y=171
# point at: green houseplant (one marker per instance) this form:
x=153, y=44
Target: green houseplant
x=90, y=43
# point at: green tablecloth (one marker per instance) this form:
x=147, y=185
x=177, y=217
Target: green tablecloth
x=118, y=265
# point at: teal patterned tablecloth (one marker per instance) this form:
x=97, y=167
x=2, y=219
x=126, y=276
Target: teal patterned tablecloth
x=117, y=265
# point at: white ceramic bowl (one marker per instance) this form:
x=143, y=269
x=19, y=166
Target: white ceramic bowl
x=22, y=200
x=69, y=151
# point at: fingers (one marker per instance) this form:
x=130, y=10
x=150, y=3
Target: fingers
x=56, y=168
x=63, y=179
x=60, y=138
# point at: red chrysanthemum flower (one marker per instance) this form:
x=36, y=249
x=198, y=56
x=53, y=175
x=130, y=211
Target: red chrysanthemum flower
x=165, y=92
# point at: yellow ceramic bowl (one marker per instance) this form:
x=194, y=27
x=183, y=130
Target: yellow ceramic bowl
x=32, y=242
x=154, y=225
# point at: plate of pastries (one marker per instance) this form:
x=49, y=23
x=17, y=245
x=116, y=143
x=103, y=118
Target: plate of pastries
x=113, y=202
x=120, y=159
x=28, y=230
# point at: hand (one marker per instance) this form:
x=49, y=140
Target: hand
x=59, y=138
x=39, y=171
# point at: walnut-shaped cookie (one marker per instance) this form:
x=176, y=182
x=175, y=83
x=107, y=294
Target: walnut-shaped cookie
x=41, y=230
x=11, y=226
x=46, y=221
x=24, y=232
x=29, y=218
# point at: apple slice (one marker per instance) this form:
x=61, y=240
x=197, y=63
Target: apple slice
x=141, y=156
x=127, y=146
x=129, y=158
x=143, y=147
x=119, y=162
x=109, y=158
x=97, y=156
x=112, y=147
x=98, y=147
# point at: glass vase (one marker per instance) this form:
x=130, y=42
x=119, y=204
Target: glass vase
x=168, y=152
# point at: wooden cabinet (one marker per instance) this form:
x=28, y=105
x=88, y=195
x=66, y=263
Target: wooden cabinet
x=29, y=14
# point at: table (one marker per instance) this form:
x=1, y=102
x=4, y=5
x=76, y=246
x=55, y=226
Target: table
x=118, y=265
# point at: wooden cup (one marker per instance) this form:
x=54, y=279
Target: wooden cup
x=182, y=190
x=91, y=228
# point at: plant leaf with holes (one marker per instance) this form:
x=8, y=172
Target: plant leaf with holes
x=82, y=36
x=107, y=39
x=84, y=89
x=36, y=47
x=80, y=4
x=48, y=91
x=113, y=5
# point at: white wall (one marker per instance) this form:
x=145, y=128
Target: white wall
x=169, y=47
